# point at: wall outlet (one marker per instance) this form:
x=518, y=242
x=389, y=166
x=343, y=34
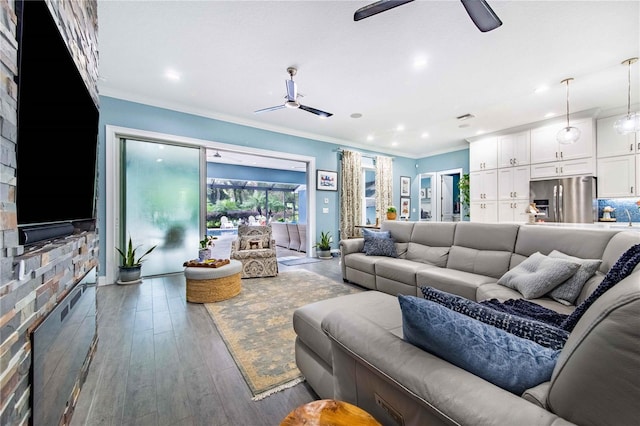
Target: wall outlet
x=326, y=201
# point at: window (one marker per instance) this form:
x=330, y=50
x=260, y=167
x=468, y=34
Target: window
x=369, y=195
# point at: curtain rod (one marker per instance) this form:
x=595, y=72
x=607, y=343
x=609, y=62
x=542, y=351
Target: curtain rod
x=363, y=154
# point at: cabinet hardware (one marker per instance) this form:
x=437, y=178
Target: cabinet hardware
x=630, y=147
x=515, y=205
x=561, y=155
x=638, y=146
x=510, y=205
x=556, y=154
x=632, y=189
x=515, y=194
x=556, y=170
x=561, y=170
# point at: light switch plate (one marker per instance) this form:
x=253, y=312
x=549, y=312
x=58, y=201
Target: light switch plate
x=325, y=210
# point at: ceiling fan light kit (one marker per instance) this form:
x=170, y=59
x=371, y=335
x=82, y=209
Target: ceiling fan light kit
x=478, y=10
x=292, y=98
x=568, y=134
x=631, y=121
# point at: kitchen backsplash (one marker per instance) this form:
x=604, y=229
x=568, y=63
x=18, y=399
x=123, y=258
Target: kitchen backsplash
x=620, y=204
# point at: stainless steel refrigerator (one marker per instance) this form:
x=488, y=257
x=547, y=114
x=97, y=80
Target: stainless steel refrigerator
x=568, y=200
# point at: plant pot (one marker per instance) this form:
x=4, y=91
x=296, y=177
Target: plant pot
x=204, y=254
x=391, y=216
x=323, y=254
x=130, y=274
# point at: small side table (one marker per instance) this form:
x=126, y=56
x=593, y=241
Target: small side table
x=206, y=285
x=329, y=412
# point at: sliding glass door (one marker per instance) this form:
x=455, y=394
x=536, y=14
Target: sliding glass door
x=161, y=203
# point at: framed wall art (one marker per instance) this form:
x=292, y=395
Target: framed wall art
x=326, y=180
x=405, y=208
x=405, y=186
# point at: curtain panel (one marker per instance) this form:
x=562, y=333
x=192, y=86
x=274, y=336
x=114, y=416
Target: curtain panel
x=350, y=194
x=384, y=186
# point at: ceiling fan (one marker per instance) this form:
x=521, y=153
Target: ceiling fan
x=479, y=11
x=292, y=98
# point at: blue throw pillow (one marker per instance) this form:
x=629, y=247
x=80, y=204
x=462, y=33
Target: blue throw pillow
x=382, y=247
x=543, y=334
x=510, y=362
x=369, y=235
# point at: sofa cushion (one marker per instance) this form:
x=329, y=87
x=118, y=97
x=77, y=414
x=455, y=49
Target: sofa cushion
x=462, y=283
x=486, y=236
x=436, y=256
x=436, y=234
x=530, y=329
x=568, y=291
x=381, y=247
x=502, y=293
x=400, y=230
x=369, y=235
x=508, y=361
x=538, y=275
x=401, y=270
x=362, y=262
x=374, y=305
x=484, y=262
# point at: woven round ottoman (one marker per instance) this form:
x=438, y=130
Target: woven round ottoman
x=205, y=285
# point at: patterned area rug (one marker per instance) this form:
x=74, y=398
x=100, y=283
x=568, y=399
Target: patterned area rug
x=257, y=326
x=299, y=261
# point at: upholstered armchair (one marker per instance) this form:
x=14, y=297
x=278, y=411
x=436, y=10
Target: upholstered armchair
x=256, y=249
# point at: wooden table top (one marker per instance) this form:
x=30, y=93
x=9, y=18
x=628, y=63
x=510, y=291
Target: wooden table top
x=329, y=412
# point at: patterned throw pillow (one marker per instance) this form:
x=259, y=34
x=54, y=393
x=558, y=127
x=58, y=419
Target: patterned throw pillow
x=567, y=292
x=536, y=331
x=511, y=362
x=382, y=247
x=370, y=235
x=538, y=275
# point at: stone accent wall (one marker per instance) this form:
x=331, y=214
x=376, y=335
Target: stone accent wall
x=33, y=281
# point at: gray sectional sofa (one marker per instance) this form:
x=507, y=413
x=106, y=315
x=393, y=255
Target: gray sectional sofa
x=351, y=347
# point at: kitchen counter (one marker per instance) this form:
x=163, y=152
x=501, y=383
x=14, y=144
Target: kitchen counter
x=622, y=226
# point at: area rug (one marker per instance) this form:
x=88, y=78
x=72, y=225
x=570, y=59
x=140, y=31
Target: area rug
x=257, y=326
x=299, y=261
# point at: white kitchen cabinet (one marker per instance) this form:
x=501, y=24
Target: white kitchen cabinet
x=617, y=176
x=483, y=154
x=483, y=185
x=581, y=166
x=512, y=210
x=513, y=149
x=484, y=211
x=610, y=143
x=513, y=183
x=545, y=148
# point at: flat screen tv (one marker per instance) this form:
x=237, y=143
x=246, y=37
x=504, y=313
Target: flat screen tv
x=57, y=128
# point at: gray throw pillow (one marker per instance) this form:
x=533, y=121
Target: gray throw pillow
x=567, y=292
x=382, y=247
x=538, y=275
x=370, y=235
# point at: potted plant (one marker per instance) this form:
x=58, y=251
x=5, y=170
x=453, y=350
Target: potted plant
x=205, y=247
x=392, y=213
x=131, y=267
x=463, y=185
x=323, y=247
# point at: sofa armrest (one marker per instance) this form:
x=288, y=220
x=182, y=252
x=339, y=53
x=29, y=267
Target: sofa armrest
x=352, y=245
x=426, y=387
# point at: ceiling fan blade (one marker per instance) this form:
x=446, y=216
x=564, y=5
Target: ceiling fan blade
x=482, y=15
x=292, y=90
x=316, y=111
x=377, y=7
x=273, y=108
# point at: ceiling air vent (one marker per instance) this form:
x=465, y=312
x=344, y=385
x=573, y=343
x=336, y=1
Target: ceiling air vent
x=465, y=117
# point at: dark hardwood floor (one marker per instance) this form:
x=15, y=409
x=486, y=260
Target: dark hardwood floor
x=161, y=361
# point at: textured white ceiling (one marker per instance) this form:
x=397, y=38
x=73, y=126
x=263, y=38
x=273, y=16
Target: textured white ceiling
x=232, y=58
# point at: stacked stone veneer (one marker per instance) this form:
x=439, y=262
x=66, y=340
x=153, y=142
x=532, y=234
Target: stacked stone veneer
x=32, y=281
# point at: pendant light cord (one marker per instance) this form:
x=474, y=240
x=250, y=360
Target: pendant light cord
x=629, y=89
x=567, y=80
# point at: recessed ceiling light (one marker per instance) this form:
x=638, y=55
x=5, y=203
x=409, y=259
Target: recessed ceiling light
x=463, y=126
x=480, y=132
x=400, y=127
x=549, y=114
x=419, y=62
x=356, y=115
x=541, y=89
x=394, y=143
x=424, y=135
x=158, y=160
x=172, y=75
x=370, y=138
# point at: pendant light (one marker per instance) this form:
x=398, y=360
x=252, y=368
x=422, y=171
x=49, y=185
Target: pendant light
x=630, y=122
x=569, y=134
